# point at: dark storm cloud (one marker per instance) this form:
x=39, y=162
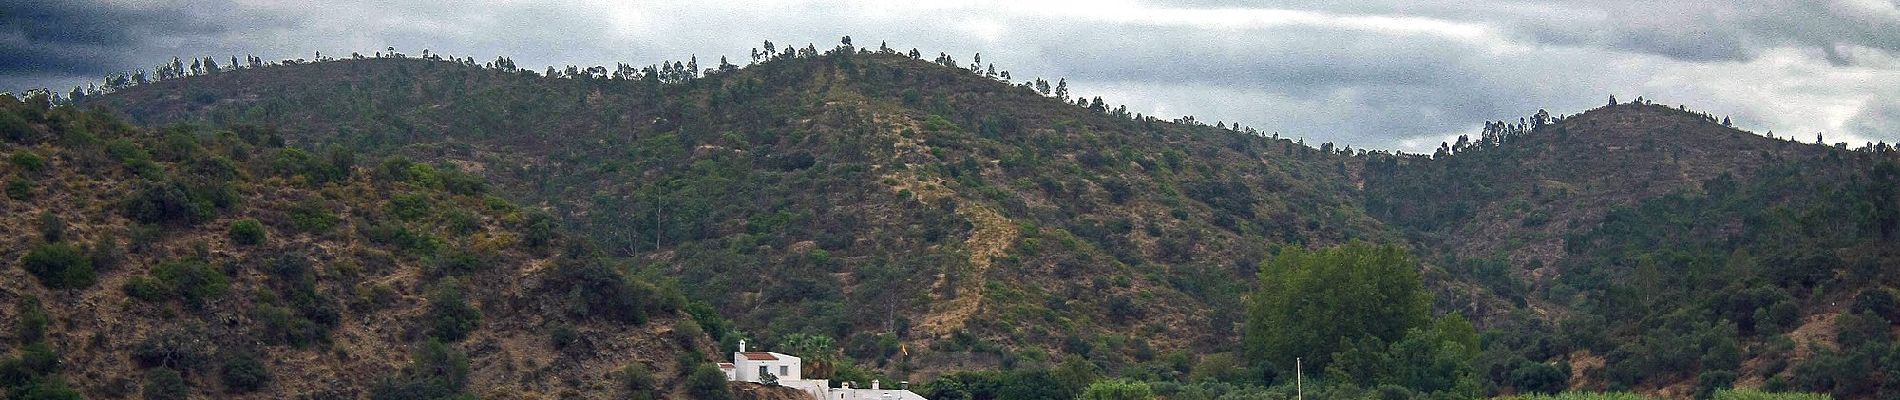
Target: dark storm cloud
x=62, y=37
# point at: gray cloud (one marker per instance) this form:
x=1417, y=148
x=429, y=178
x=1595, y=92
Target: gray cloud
x=1369, y=73
x=79, y=37
x=1878, y=121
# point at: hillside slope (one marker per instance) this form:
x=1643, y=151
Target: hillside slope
x=881, y=200
x=1658, y=249
x=930, y=219
x=137, y=257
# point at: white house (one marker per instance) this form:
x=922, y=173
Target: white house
x=752, y=366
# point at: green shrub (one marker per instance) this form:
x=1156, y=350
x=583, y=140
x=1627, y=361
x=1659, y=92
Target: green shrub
x=436, y=372
x=1536, y=377
x=460, y=262
x=33, y=320
x=247, y=232
x=59, y=266
x=540, y=230
x=707, y=383
x=19, y=189
x=49, y=388
x=563, y=336
x=165, y=384
x=1751, y=394
x=591, y=290
x=420, y=244
x=52, y=229
x=451, y=318
x=311, y=215
x=1708, y=382
x=307, y=316
x=146, y=289
x=638, y=381
x=125, y=151
x=462, y=222
x=687, y=332
x=409, y=206
x=179, y=349
x=36, y=360
x=195, y=281
x=106, y=255
x=14, y=127
x=244, y=373
x=167, y=202
x=1117, y=389
x=1580, y=396
x=29, y=162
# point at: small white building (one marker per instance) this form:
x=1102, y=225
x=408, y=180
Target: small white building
x=752, y=366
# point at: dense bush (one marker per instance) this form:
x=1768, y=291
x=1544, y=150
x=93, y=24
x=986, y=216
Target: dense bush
x=540, y=230
x=167, y=202
x=451, y=318
x=1536, y=377
x=32, y=323
x=244, y=373
x=180, y=349
x=59, y=266
x=1117, y=389
x=409, y=206
x=145, y=288
x=1750, y=394
x=591, y=290
x=707, y=383
x=417, y=243
x=637, y=380
x=191, y=281
x=29, y=162
x=333, y=167
x=1314, y=302
x=19, y=189
x=299, y=315
x=165, y=384
x=47, y=388
x=247, y=232
x=52, y=229
x=14, y=128
x=312, y=215
x=436, y=371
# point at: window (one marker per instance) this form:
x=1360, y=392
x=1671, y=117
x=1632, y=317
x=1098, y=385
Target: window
x=762, y=372
x=784, y=370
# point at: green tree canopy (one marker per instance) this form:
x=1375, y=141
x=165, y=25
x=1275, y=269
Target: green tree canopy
x=1313, y=304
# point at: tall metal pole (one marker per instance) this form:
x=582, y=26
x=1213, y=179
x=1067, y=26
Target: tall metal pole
x=1299, y=380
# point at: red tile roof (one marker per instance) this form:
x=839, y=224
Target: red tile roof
x=758, y=355
x=726, y=365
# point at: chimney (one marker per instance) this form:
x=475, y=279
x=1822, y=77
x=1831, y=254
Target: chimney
x=903, y=385
x=741, y=345
x=873, y=384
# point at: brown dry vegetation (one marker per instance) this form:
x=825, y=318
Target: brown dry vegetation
x=378, y=291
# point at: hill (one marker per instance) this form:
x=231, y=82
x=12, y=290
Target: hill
x=1656, y=248
x=218, y=263
x=893, y=205
x=918, y=217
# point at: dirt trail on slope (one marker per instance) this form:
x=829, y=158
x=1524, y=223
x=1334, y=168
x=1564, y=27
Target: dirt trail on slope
x=991, y=239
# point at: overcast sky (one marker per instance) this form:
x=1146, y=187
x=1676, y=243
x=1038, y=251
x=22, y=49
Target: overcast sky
x=1382, y=74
